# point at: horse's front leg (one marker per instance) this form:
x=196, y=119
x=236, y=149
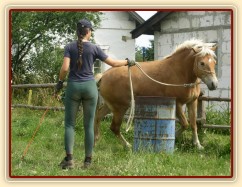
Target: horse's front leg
x=182, y=119
x=192, y=114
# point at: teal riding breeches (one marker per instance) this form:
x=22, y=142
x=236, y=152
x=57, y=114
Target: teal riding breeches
x=77, y=93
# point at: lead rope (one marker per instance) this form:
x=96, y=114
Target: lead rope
x=132, y=107
x=36, y=130
x=189, y=85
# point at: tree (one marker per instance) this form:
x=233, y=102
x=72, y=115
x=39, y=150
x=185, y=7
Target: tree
x=37, y=34
x=44, y=65
x=145, y=53
x=150, y=51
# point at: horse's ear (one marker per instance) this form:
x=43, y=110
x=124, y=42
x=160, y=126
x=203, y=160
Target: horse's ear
x=212, y=46
x=197, y=49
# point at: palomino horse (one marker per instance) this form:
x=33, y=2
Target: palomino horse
x=190, y=61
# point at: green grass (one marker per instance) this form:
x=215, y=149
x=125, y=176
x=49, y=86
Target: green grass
x=110, y=158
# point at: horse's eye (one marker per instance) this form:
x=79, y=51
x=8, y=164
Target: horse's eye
x=202, y=63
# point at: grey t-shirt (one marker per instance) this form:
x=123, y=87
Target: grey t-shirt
x=91, y=52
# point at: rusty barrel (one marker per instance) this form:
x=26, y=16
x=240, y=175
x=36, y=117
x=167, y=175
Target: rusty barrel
x=154, y=124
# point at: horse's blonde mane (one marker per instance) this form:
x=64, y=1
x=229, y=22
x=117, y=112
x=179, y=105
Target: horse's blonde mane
x=193, y=43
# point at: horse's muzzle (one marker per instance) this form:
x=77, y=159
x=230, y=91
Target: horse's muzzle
x=213, y=86
x=211, y=82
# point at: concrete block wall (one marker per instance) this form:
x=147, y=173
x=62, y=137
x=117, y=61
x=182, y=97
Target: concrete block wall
x=209, y=26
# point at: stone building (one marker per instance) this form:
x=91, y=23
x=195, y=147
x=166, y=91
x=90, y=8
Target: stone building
x=173, y=28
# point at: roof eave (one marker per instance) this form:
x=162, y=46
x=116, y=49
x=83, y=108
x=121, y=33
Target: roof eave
x=136, y=17
x=149, y=26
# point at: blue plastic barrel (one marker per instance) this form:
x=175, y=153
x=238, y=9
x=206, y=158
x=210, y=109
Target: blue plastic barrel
x=154, y=124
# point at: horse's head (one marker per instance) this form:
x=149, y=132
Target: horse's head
x=204, y=66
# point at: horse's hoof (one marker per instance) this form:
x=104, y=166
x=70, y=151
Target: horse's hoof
x=200, y=147
x=128, y=146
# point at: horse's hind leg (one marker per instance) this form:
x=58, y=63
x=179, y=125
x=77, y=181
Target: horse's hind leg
x=100, y=114
x=115, y=127
x=192, y=112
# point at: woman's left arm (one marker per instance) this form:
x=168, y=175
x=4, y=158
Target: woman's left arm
x=64, y=69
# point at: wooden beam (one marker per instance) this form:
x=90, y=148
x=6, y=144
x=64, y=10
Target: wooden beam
x=147, y=27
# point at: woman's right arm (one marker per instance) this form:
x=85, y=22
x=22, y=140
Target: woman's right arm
x=115, y=63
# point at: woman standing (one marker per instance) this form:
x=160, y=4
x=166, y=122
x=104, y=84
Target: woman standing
x=79, y=57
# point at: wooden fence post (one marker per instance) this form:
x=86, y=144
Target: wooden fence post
x=202, y=116
x=30, y=97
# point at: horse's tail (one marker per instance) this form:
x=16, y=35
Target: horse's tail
x=98, y=78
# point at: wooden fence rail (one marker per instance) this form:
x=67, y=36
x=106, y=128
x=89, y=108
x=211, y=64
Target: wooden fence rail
x=37, y=107
x=48, y=85
x=201, y=110
x=204, y=98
